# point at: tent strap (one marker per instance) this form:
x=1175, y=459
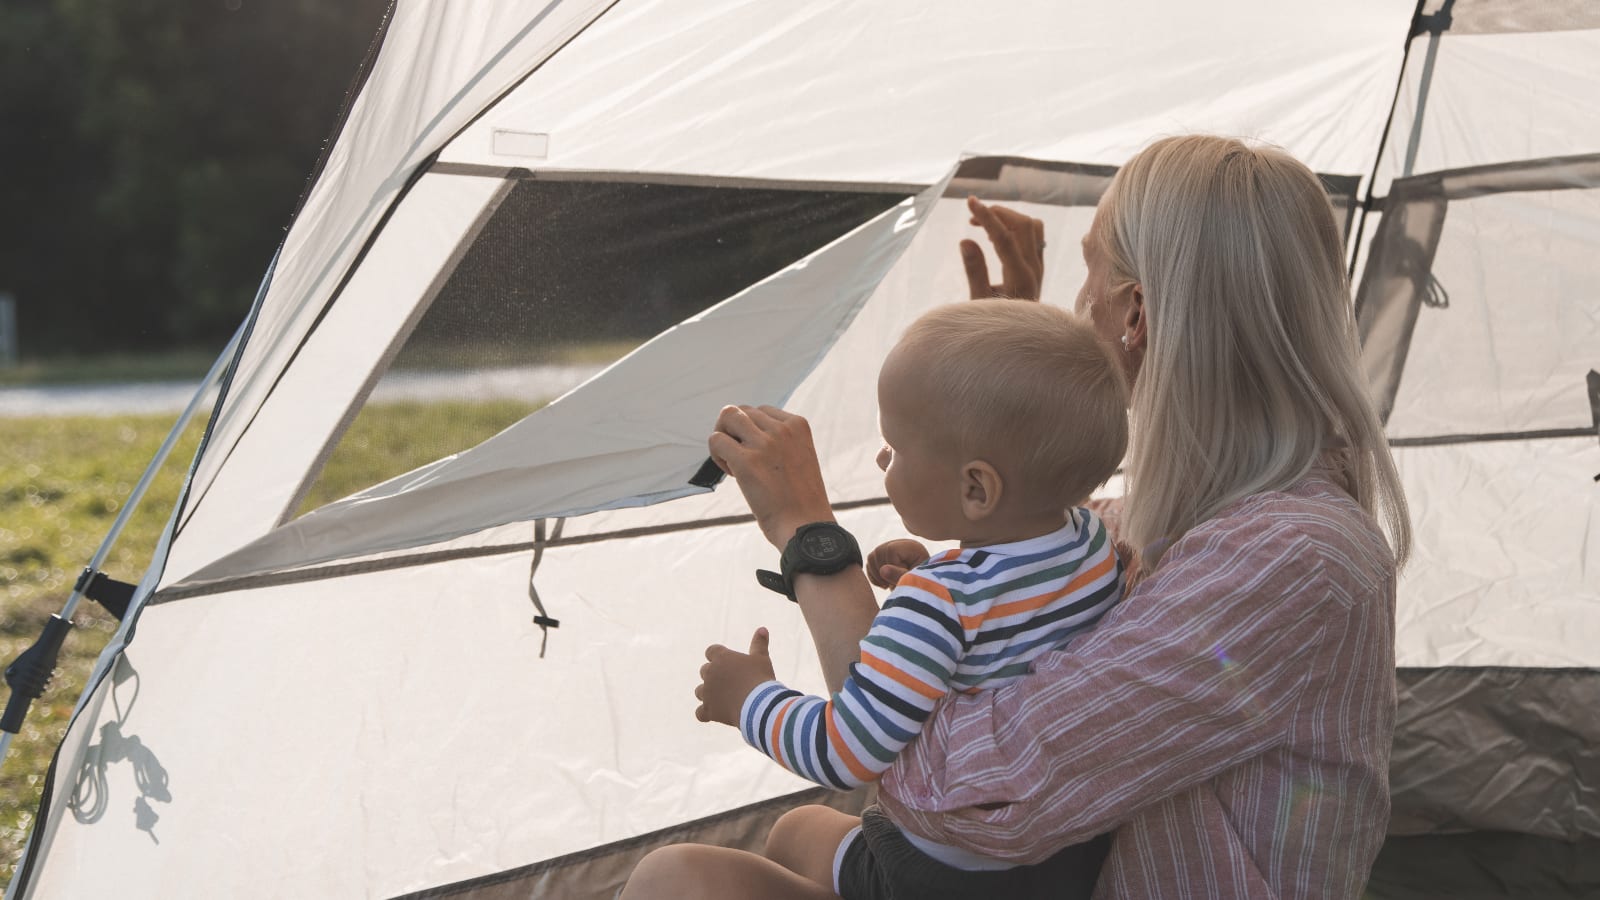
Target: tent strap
x=1593, y=379
x=542, y=617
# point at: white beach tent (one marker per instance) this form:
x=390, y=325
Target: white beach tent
x=366, y=698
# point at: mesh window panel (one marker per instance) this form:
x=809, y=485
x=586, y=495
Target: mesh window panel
x=564, y=278
x=1508, y=322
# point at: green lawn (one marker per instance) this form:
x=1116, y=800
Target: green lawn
x=62, y=482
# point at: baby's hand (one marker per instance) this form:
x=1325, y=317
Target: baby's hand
x=888, y=562
x=728, y=677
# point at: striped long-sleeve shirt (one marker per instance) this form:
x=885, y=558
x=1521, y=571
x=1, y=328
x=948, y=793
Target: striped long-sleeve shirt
x=964, y=620
x=1230, y=719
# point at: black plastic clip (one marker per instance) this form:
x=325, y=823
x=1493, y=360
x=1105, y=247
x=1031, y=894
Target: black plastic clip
x=30, y=674
x=116, y=596
x=1436, y=24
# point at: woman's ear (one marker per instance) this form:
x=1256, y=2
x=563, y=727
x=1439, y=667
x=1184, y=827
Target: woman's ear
x=981, y=488
x=1134, y=330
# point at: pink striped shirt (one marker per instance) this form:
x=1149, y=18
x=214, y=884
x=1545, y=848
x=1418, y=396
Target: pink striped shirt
x=1230, y=719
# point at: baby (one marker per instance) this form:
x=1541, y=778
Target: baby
x=998, y=418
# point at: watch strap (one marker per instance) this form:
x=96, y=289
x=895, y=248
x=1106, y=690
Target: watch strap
x=796, y=561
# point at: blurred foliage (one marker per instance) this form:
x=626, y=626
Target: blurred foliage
x=178, y=365
x=154, y=152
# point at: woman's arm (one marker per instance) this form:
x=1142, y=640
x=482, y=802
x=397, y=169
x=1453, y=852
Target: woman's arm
x=1198, y=670
x=770, y=454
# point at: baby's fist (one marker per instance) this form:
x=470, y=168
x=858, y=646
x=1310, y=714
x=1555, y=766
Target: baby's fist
x=888, y=562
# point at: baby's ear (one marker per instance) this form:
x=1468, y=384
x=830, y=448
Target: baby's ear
x=981, y=488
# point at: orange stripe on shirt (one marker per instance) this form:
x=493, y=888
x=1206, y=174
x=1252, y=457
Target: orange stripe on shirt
x=836, y=740
x=777, y=727
x=911, y=579
x=1028, y=604
x=901, y=676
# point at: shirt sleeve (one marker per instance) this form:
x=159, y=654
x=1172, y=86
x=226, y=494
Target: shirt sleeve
x=907, y=662
x=1200, y=668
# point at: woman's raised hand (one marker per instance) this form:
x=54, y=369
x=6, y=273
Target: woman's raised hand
x=1018, y=241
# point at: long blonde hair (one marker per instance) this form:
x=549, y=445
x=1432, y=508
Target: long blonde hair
x=1250, y=369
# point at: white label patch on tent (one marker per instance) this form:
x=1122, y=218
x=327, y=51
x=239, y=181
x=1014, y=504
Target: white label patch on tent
x=521, y=143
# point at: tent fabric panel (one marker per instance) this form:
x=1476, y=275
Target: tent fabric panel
x=600, y=873
x=438, y=65
x=635, y=434
x=247, y=498
x=1506, y=538
x=1495, y=98
x=61, y=788
x=1394, y=281
x=1513, y=327
x=408, y=722
x=1497, y=749
x=888, y=91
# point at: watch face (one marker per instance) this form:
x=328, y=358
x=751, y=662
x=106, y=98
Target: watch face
x=823, y=545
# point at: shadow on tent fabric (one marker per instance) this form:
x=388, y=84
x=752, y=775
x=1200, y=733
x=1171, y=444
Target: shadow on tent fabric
x=91, y=792
x=1485, y=865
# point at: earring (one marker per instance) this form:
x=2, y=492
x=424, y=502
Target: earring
x=1124, y=342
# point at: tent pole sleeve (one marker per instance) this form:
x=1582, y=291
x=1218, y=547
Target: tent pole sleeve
x=1435, y=25
x=150, y=471
x=1422, y=106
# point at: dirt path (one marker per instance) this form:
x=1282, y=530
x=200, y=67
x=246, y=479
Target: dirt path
x=530, y=382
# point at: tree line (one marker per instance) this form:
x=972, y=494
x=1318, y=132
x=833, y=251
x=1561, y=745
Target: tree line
x=153, y=152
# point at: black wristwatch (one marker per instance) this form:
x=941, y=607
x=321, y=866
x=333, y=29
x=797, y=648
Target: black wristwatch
x=820, y=548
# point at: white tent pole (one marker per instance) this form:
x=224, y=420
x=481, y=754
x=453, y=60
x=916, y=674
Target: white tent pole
x=128, y=506
x=212, y=377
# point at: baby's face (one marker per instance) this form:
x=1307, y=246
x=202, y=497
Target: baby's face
x=920, y=475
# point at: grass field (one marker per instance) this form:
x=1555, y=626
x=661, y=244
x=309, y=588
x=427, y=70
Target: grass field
x=62, y=483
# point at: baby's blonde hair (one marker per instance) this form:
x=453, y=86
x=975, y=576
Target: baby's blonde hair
x=1026, y=387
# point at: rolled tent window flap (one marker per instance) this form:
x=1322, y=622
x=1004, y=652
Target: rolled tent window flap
x=1398, y=271
x=1593, y=381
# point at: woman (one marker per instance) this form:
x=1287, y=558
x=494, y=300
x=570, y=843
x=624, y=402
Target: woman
x=1230, y=720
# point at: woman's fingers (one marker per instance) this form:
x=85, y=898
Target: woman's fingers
x=997, y=223
x=1018, y=241
x=735, y=422
x=977, y=267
